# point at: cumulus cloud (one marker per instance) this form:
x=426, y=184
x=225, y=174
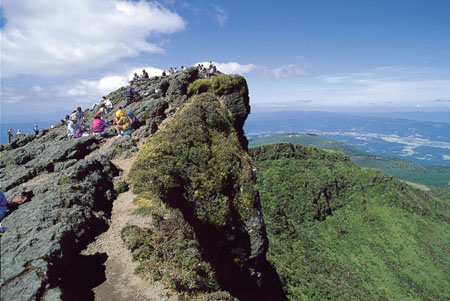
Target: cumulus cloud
x=279, y=72
x=152, y=71
x=233, y=67
x=47, y=37
x=93, y=89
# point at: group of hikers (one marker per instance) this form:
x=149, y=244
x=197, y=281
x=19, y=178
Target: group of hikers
x=19, y=132
x=202, y=70
x=143, y=76
x=122, y=124
x=211, y=71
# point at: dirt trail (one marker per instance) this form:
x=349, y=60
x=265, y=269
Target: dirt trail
x=121, y=283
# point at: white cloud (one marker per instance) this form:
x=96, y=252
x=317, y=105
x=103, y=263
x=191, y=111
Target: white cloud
x=152, y=71
x=93, y=89
x=232, y=67
x=47, y=37
x=389, y=85
x=15, y=99
x=37, y=89
x=280, y=72
x=288, y=70
x=220, y=15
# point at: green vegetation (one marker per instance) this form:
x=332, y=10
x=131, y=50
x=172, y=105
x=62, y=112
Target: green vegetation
x=168, y=251
x=121, y=186
x=403, y=169
x=219, y=85
x=442, y=193
x=194, y=170
x=341, y=232
x=198, y=155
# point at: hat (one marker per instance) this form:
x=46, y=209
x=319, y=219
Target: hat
x=74, y=118
x=99, y=113
x=130, y=113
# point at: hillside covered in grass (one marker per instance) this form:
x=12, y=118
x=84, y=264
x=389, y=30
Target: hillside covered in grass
x=433, y=176
x=340, y=232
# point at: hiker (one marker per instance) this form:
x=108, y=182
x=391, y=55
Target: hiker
x=129, y=94
x=183, y=68
x=74, y=130
x=135, y=76
x=73, y=114
x=10, y=134
x=175, y=70
x=108, y=104
x=36, y=130
x=212, y=71
x=118, y=115
x=133, y=122
x=144, y=74
x=128, y=124
x=164, y=73
x=79, y=114
x=66, y=120
x=19, y=132
x=3, y=203
x=99, y=125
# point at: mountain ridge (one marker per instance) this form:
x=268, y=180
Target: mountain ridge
x=401, y=168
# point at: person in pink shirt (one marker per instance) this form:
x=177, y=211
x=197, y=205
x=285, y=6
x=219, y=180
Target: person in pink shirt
x=99, y=126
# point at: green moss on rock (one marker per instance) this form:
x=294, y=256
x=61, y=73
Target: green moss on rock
x=219, y=85
x=199, y=156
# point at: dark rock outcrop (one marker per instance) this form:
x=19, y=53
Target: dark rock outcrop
x=46, y=233
x=61, y=201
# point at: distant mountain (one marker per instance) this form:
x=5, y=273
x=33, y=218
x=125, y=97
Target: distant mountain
x=423, y=142
x=340, y=232
x=401, y=168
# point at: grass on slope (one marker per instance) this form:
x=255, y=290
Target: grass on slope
x=403, y=169
x=341, y=232
x=442, y=193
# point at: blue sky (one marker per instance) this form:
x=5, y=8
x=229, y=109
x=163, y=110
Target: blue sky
x=305, y=55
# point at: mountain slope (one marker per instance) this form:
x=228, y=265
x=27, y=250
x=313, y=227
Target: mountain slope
x=401, y=168
x=341, y=232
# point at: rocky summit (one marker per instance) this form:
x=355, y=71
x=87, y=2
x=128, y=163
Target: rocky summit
x=61, y=192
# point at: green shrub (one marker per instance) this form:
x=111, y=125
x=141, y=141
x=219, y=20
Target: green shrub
x=169, y=253
x=121, y=186
x=198, y=156
x=219, y=85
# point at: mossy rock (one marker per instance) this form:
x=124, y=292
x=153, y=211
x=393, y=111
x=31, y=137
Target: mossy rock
x=198, y=155
x=219, y=85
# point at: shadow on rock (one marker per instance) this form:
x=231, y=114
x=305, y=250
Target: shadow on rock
x=82, y=275
x=254, y=279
